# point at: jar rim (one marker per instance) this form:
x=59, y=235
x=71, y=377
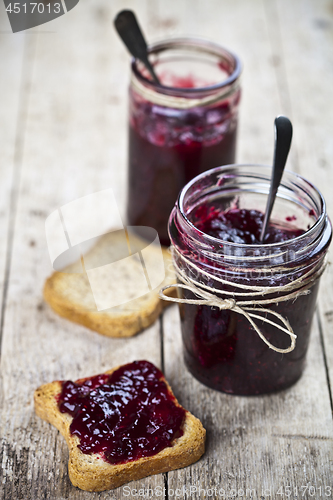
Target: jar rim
x=194, y=43
x=216, y=241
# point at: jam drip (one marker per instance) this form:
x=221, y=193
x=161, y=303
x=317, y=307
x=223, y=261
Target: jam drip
x=241, y=226
x=124, y=416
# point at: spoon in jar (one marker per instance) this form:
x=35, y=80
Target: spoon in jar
x=283, y=135
x=129, y=31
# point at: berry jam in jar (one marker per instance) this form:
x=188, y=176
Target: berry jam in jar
x=180, y=128
x=254, y=337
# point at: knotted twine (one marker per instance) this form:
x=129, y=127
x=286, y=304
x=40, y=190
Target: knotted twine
x=247, y=308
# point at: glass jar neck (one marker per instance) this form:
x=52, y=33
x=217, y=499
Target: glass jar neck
x=253, y=180
x=183, y=97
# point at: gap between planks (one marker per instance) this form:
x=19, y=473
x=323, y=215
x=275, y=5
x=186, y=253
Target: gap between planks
x=21, y=120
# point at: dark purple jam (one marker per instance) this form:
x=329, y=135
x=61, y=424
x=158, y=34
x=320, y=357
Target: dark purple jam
x=241, y=226
x=221, y=348
x=167, y=148
x=123, y=416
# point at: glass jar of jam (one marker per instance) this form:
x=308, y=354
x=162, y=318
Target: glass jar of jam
x=181, y=127
x=268, y=290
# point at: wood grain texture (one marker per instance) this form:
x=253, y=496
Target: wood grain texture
x=308, y=59
x=74, y=145
x=71, y=137
x=255, y=443
x=12, y=111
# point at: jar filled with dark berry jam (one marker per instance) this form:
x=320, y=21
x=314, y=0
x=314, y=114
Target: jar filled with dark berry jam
x=181, y=127
x=246, y=307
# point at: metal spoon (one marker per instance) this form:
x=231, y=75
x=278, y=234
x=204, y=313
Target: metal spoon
x=283, y=135
x=129, y=31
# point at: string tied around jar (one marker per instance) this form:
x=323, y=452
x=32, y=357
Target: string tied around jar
x=208, y=296
x=170, y=101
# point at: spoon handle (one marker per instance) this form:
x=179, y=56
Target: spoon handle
x=129, y=31
x=283, y=136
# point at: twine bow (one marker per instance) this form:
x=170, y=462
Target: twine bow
x=247, y=308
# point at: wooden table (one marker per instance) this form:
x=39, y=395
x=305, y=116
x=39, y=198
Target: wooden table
x=63, y=91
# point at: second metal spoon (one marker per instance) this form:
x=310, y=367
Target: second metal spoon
x=283, y=136
x=131, y=34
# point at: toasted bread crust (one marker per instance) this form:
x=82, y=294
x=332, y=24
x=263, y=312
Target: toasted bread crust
x=92, y=473
x=108, y=324
x=65, y=293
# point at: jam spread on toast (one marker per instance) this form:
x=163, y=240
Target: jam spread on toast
x=124, y=416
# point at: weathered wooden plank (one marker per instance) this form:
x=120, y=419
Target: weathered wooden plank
x=75, y=139
x=255, y=444
x=286, y=439
x=12, y=110
x=308, y=60
x=241, y=27
x=77, y=120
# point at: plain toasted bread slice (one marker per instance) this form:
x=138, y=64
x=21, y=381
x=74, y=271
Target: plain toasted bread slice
x=91, y=472
x=70, y=295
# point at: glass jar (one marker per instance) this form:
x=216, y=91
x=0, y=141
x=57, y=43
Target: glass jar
x=181, y=128
x=277, y=282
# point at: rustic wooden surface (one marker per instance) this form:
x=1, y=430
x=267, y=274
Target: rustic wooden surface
x=63, y=93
